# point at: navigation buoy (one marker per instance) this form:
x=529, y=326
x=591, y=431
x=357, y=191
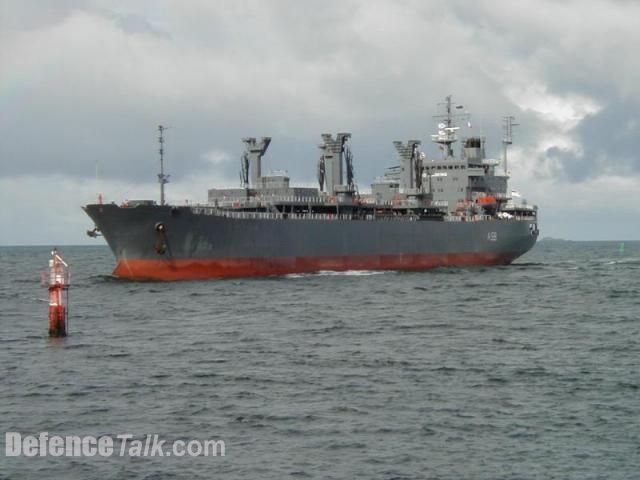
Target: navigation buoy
x=58, y=295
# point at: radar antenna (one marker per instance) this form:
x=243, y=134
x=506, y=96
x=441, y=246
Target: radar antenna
x=447, y=127
x=162, y=178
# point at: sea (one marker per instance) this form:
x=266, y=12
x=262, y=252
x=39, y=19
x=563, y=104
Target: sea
x=526, y=371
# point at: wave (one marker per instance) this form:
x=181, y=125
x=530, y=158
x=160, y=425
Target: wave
x=624, y=261
x=332, y=273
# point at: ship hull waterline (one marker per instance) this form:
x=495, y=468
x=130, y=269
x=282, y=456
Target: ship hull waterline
x=196, y=269
x=200, y=246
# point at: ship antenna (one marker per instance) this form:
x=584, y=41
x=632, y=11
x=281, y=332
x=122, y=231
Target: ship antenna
x=507, y=139
x=162, y=178
x=447, y=127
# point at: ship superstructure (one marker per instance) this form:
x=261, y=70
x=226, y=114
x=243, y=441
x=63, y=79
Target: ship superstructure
x=452, y=210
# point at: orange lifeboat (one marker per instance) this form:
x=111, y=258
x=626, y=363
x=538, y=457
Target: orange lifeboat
x=488, y=200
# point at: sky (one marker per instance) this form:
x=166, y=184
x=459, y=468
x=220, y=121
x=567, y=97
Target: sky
x=85, y=83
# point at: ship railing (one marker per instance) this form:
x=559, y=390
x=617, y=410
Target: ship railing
x=268, y=199
x=286, y=198
x=221, y=212
x=265, y=200
x=468, y=218
x=483, y=218
x=225, y=213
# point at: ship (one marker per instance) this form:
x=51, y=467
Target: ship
x=453, y=210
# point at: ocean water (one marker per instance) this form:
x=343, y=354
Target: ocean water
x=525, y=371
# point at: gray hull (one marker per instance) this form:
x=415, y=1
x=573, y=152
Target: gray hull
x=170, y=243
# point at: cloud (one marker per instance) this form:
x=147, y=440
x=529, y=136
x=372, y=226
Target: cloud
x=85, y=83
x=46, y=208
x=216, y=157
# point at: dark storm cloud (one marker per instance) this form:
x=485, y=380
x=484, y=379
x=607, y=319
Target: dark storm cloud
x=609, y=141
x=87, y=83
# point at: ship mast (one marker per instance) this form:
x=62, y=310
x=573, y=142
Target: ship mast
x=162, y=178
x=447, y=128
x=507, y=139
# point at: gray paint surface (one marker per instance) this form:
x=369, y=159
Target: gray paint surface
x=131, y=234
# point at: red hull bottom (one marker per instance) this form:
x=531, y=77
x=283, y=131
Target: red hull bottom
x=195, y=269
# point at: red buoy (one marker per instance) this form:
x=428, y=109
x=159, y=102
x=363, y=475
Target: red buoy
x=58, y=295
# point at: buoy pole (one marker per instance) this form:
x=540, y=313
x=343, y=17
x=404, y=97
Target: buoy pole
x=58, y=295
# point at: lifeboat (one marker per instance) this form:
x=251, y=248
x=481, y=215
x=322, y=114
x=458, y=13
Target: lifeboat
x=488, y=200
